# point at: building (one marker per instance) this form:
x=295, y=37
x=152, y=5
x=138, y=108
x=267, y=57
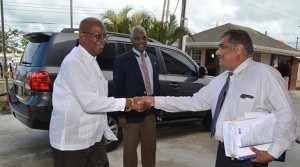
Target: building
x=203, y=45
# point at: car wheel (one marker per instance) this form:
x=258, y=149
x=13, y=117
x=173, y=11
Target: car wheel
x=113, y=125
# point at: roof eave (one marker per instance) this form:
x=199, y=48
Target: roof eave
x=257, y=48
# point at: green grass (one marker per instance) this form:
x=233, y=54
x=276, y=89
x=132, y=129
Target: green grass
x=2, y=102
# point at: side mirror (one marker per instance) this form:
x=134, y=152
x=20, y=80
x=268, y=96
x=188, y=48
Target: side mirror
x=202, y=71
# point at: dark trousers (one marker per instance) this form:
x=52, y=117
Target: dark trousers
x=223, y=161
x=145, y=132
x=94, y=156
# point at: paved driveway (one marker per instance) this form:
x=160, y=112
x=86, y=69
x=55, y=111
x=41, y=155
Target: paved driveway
x=178, y=145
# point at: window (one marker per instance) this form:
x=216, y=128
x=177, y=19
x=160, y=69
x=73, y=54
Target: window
x=151, y=50
x=177, y=63
x=107, y=57
x=256, y=57
x=33, y=54
x=121, y=48
x=195, y=55
x=128, y=46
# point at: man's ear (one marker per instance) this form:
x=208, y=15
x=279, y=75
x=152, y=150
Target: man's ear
x=239, y=49
x=81, y=38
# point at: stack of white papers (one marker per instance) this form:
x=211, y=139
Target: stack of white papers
x=255, y=129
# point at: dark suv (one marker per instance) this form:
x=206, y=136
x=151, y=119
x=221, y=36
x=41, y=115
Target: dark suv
x=30, y=97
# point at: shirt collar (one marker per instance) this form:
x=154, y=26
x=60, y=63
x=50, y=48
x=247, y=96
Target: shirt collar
x=242, y=66
x=137, y=53
x=87, y=56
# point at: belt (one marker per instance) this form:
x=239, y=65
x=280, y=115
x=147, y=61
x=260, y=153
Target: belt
x=149, y=111
x=221, y=144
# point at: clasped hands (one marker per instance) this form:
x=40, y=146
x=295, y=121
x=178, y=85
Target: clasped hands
x=140, y=104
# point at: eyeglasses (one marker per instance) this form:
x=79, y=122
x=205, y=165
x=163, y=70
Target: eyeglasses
x=97, y=36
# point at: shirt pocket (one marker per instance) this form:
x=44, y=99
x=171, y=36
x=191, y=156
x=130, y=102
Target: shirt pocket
x=245, y=105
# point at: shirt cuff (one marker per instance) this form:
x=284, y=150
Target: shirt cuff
x=120, y=104
x=276, y=150
x=159, y=102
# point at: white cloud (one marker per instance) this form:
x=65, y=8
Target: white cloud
x=278, y=17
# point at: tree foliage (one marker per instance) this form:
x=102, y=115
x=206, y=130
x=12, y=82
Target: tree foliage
x=166, y=33
x=14, y=41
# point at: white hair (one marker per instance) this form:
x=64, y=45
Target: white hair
x=137, y=28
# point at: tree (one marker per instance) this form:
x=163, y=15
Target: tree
x=14, y=41
x=117, y=22
x=166, y=33
x=122, y=23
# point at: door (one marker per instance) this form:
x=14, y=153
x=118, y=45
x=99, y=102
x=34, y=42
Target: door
x=181, y=76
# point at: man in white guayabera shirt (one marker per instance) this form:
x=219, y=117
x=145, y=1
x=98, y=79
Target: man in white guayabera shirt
x=250, y=87
x=78, y=126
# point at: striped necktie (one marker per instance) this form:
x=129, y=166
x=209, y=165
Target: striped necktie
x=146, y=75
x=220, y=101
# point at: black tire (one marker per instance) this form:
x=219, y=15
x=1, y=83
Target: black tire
x=113, y=125
x=206, y=122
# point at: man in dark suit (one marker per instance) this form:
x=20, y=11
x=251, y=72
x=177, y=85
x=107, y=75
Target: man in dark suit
x=136, y=74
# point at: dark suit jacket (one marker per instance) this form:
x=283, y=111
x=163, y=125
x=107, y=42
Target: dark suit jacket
x=128, y=81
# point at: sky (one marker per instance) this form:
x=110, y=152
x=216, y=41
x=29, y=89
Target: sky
x=280, y=19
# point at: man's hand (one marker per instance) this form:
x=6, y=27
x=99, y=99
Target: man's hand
x=149, y=101
x=139, y=104
x=122, y=121
x=262, y=157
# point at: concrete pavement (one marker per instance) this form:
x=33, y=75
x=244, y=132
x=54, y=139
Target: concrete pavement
x=178, y=145
x=187, y=145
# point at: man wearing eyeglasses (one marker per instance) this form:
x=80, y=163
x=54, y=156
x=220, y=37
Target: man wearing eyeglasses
x=136, y=74
x=246, y=87
x=78, y=126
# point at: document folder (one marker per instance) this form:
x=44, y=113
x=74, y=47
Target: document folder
x=249, y=131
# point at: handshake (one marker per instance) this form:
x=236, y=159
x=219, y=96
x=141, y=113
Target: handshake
x=139, y=104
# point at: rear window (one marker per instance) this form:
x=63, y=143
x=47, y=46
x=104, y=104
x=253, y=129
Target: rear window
x=33, y=54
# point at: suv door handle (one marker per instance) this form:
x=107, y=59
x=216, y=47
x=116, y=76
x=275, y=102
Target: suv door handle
x=174, y=85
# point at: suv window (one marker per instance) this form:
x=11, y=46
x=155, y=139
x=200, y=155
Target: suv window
x=107, y=57
x=33, y=54
x=151, y=50
x=177, y=63
x=128, y=46
x=121, y=48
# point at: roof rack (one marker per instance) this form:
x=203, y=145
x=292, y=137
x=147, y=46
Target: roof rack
x=115, y=34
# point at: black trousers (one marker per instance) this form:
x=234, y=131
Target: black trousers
x=223, y=161
x=94, y=156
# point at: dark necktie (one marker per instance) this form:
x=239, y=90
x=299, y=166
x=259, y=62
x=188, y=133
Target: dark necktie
x=220, y=101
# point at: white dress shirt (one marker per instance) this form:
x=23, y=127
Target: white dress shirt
x=80, y=103
x=263, y=82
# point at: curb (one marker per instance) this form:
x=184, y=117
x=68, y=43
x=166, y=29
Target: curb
x=5, y=112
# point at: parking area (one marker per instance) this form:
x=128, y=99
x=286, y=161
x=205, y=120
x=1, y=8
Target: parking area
x=178, y=145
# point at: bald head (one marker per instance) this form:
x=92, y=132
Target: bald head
x=92, y=35
x=87, y=23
